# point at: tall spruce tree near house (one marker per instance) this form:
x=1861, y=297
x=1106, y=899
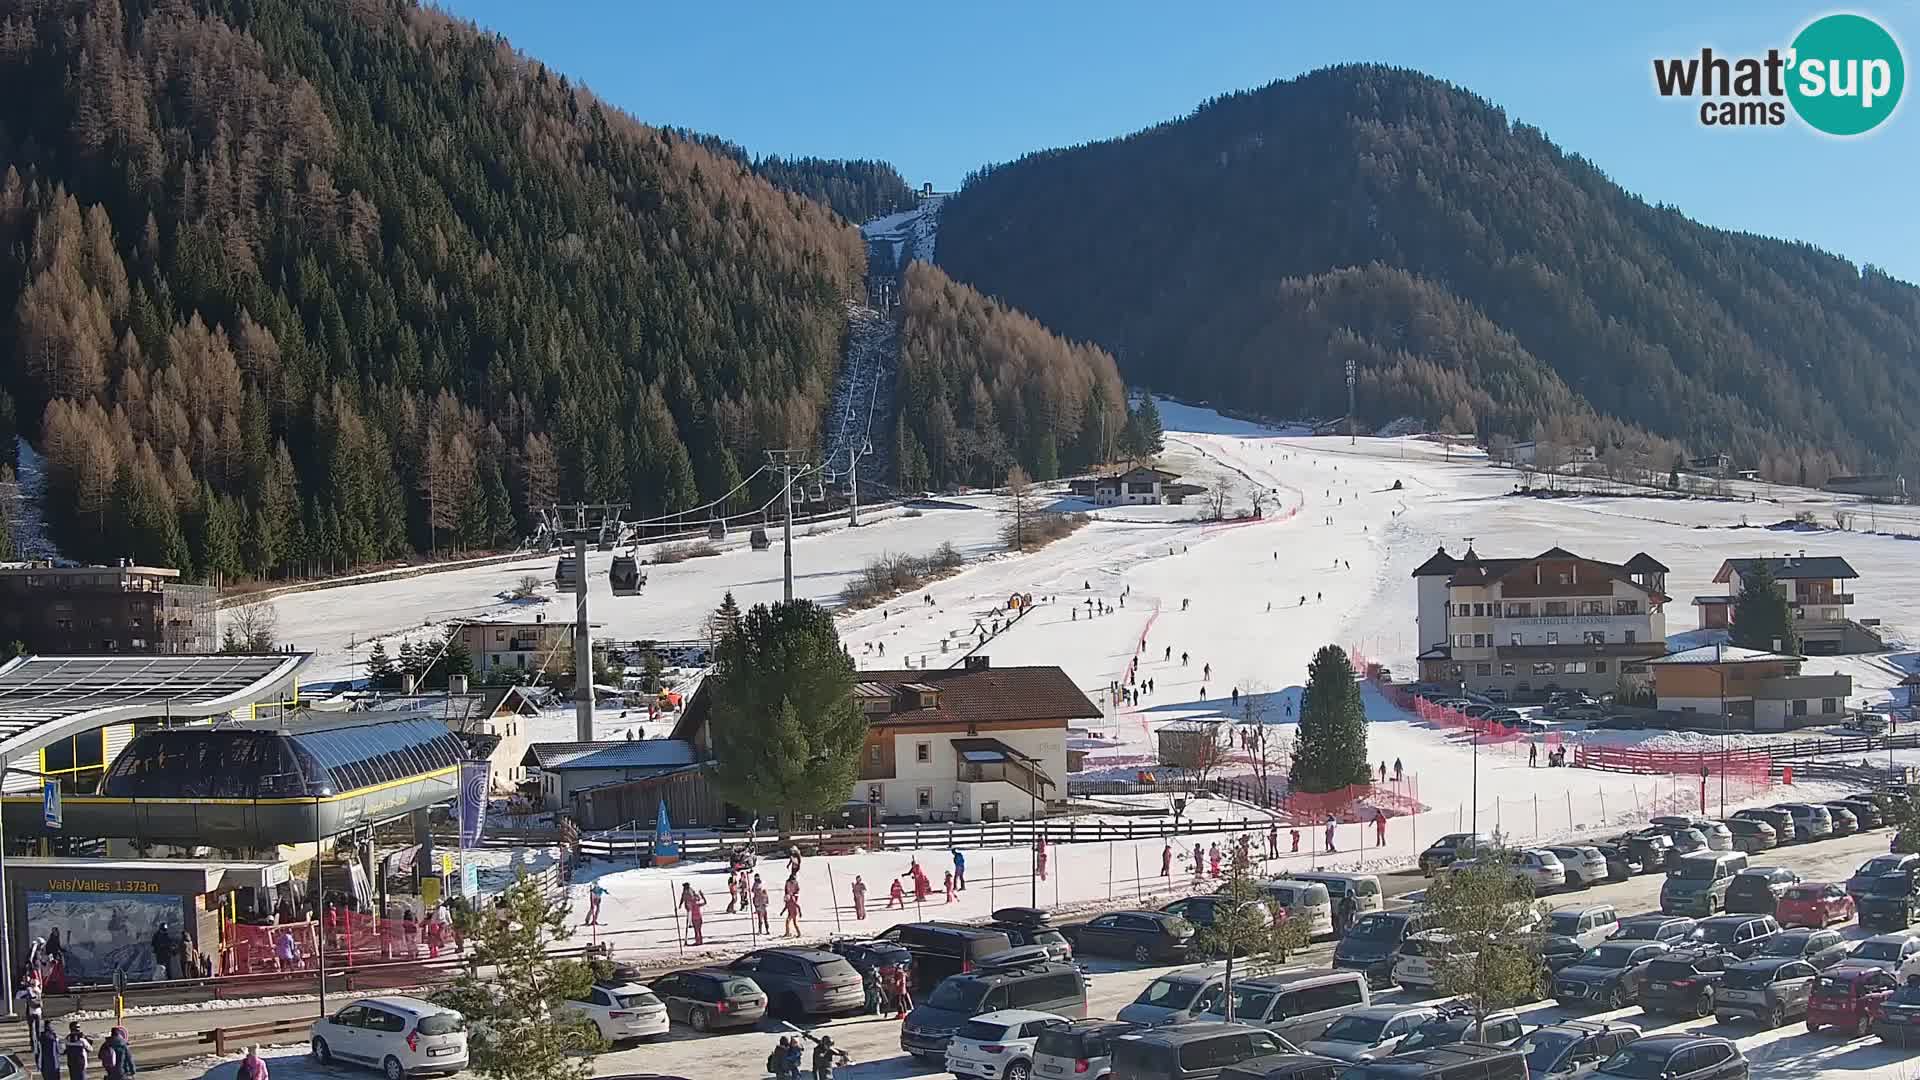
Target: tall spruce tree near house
x=786, y=731
x=1762, y=616
x=379, y=666
x=1145, y=437
x=1330, y=750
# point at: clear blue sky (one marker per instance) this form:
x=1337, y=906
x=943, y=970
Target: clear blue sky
x=939, y=89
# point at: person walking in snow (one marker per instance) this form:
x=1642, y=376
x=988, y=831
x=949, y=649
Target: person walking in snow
x=1296, y=840
x=1383, y=772
x=1273, y=840
x=1380, y=828
x=1040, y=858
x=959, y=870
x=896, y=896
x=695, y=905
x=1169, y=656
x=1183, y=659
x=1206, y=671
x=116, y=1057
x=947, y=884
x=733, y=895
x=1213, y=859
x=1533, y=755
x=1236, y=700
x=859, y=898
x=78, y=1048
x=790, y=908
x=1330, y=825
x=594, y=894
x=1166, y=859
x=1397, y=772
x=760, y=922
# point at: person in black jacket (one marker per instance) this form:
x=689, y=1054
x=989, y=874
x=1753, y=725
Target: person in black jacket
x=78, y=1048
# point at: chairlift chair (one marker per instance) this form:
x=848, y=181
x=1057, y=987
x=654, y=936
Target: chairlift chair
x=819, y=493
x=625, y=576
x=716, y=529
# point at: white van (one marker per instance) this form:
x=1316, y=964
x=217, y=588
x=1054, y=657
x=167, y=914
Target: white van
x=1300, y=899
x=400, y=1036
x=1364, y=888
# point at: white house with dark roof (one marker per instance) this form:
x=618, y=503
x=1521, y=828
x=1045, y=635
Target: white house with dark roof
x=1526, y=625
x=1817, y=588
x=1141, y=485
x=565, y=768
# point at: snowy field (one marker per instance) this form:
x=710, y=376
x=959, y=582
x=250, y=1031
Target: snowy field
x=1230, y=596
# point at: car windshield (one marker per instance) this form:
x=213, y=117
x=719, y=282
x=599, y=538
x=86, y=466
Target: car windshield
x=1878, y=950
x=1248, y=1004
x=1906, y=995
x=1806, y=892
x=1356, y=1029
x=1717, y=933
x=1377, y=928
x=1637, y=1063
x=1695, y=869
x=1545, y=1048
x=1880, y=864
x=1608, y=956
x=1792, y=943
x=445, y=1023
x=1645, y=930
x=1564, y=923
x=957, y=995
x=1169, y=993
x=634, y=1001
x=981, y=1031
x=1437, y=1034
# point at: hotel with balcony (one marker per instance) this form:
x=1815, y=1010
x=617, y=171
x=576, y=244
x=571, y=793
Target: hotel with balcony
x=1818, y=589
x=1552, y=621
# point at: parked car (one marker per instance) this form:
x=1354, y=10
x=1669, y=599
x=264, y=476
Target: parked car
x=1682, y=982
x=1538, y=867
x=622, y=1011
x=1456, y=1061
x=1678, y=1057
x=1414, y=964
x=999, y=1044
x=1757, y=890
x=1775, y=818
x=1444, y=851
x=1620, y=722
x=1864, y=810
x=1580, y=713
x=1307, y=900
x=1740, y=935
x=1370, y=1032
x=1573, y=1048
x=400, y=1036
x=1896, y=1018
x=1697, y=882
x=1197, y=1050
x=1814, y=903
x=803, y=982
x=708, y=999
x=1610, y=974
x=872, y=954
x=1810, y=822
x=1848, y=999
x=1203, y=911
x=1585, y=865
x=1285, y=1067
x=1770, y=990
x=1667, y=929
x=1622, y=863
x=1751, y=836
x=1717, y=835
x=1888, y=952
x=942, y=949
x=1033, y=927
x=1373, y=941
x=1298, y=1006
x=1572, y=931
x=1078, y=1048
x=1364, y=889
x=1879, y=866
x=1144, y=936
x=1888, y=902
x=1459, y=1026
x=1029, y=982
x=1844, y=823
x=1821, y=948
x=1176, y=996
x=1653, y=849
x=1685, y=842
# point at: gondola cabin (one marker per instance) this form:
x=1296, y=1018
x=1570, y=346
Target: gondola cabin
x=566, y=574
x=625, y=576
x=758, y=538
x=716, y=529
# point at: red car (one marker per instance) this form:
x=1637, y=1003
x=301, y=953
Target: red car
x=1848, y=998
x=1818, y=904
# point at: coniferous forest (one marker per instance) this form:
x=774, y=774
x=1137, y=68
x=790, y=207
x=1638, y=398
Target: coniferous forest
x=1478, y=276
x=293, y=287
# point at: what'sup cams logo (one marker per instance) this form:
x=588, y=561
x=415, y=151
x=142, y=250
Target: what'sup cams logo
x=1842, y=75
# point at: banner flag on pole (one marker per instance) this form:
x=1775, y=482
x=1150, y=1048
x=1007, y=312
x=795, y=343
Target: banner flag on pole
x=473, y=801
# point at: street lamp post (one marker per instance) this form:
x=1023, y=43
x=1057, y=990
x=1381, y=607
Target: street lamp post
x=1473, y=731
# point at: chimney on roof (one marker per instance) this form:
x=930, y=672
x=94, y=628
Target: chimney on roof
x=456, y=684
x=979, y=663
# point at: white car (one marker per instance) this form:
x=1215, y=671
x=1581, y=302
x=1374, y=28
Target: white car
x=1584, y=864
x=1540, y=867
x=400, y=1036
x=998, y=1044
x=1414, y=964
x=625, y=1011
x=1307, y=900
x=1368, y=1033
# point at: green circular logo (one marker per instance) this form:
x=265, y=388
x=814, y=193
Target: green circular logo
x=1847, y=74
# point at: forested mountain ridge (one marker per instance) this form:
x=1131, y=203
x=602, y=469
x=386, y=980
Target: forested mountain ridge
x=1476, y=273
x=289, y=287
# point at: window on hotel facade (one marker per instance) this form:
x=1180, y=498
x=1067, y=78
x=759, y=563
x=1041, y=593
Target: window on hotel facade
x=1829, y=705
x=1483, y=669
x=1479, y=641
x=1506, y=670
x=1462, y=641
x=1628, y=636
x=1513, y=638
x=1575, y=667
x=1593, y=637
x=1799, y=708
x=1519, y=611
x=1591, y=607
x=1544, y=668
x=1462, y=610
x=1479, y=611
x=1599, y=667
x=1553, y=637
x=1556, y=607
x=1626, y=607
x=923, y=752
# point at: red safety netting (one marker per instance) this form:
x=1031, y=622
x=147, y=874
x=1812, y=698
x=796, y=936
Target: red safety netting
x=351, y=939
x=1491, y=736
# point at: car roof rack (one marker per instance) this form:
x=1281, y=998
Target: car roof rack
x=1009, y=959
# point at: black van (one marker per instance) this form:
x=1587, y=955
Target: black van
x=1285, y=1067
x=1459, y=1061
x=1195, y=1050
x=1031, y=982
x=943, y=949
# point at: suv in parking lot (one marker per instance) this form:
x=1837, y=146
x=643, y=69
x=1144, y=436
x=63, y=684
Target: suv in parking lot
x=400, y=1036
x=1033, y=927
x=1739, y=935
x=1775, y=818
x=803, y=982
x=942, y=949
x=1040, y=986
x=1078, y=1048
x=1751, y=835
x=1372, y=942
x=1682, y=983
x=1757, y=890
x=1771, y=990
x=1888, y=902
x=998, y=1044
x=1678, y=1057
x=1610, y=974
x=1573, y=1047
x=1445, y=851
x=1811, y=821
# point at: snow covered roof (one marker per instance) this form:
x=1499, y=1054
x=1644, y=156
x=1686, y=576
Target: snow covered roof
x=1721, y=654
x=1818, y=567
x=628, y=754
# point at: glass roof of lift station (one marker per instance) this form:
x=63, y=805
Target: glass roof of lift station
x=302, y=759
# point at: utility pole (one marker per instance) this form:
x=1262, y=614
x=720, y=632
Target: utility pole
x=582, y=647
x=791, y=464
x=853, y=489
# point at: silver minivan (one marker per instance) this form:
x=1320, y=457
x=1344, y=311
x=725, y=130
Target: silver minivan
x=1177, y=995
x=1298, y=1006
x=1364, y=888
x=1300, y=899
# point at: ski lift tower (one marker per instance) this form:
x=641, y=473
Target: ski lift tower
x=584, y=524
x=791, y=465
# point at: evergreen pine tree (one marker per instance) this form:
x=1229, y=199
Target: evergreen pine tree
x=500, y=525
x=455, y=659
x=1149, y=435
x=1330, y=751
x=409, y=664
x=724, y=620
x=1762, y=615
x=380, y=669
